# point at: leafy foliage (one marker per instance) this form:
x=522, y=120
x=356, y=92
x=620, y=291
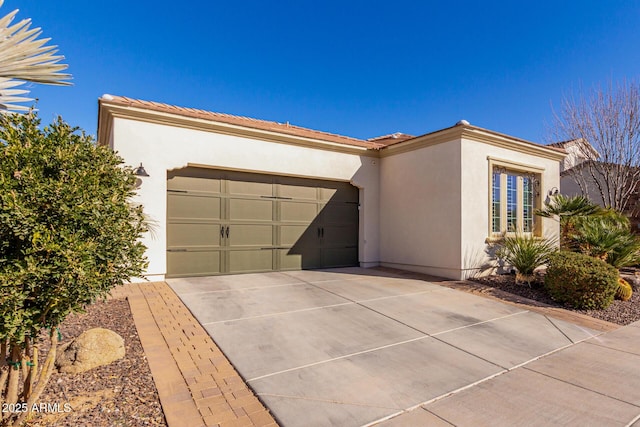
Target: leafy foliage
x=580, y=281
x=589, y=229
x=525, y=252
x=606, y=235
x=567, y=209
x=69, y=232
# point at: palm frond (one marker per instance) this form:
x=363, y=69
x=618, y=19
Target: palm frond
x=25, y=58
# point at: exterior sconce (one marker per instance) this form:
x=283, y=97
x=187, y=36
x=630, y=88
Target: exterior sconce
x=139, y=171
x=554, y=191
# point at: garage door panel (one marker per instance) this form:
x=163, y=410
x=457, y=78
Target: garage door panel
x=339, y=257
x=291, y=234
x=298, y=192
x=244, y=261
x=298, y=211
x=250, y=188
x=339, y=191
x=182, y=206
x=341, y=213
x=193, y=263
x=294, y=259
x=193, y=234
x=250, y=209
x=250, y=235
x=340, y=236
x=190, y=183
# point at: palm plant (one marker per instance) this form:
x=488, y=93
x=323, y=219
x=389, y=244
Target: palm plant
x=25, y=58
x=566, y=209
x=607, y=236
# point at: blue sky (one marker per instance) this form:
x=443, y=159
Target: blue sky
x=357, y=68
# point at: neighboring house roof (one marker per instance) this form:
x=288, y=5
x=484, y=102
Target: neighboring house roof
x=111, y=106
x=391, y=139
x=575, y=142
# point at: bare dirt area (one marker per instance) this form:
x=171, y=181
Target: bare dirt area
x=120, y=394
x=619, y=312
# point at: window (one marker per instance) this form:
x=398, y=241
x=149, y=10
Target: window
x=513, y=200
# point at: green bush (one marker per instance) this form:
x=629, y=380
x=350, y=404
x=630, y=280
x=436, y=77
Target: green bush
x=69, y=234
x=580, y=281
x=607, y=236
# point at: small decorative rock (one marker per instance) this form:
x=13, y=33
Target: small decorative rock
x=93, y=348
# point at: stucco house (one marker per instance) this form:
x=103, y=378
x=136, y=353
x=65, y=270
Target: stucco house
x=230, y=194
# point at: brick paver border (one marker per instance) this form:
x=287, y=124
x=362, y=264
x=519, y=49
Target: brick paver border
x=196, y=383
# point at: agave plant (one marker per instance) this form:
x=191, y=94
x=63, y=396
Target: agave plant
x=525, y=253
x=25, y=58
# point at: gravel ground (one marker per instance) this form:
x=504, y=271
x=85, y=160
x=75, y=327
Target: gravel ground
x=120, y=394
x=620, y=312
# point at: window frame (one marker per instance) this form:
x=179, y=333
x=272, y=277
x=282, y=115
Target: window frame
x=520, y=170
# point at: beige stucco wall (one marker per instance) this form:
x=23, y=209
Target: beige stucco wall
x=420, y=210
x=162, y=148
x=434, y=211
x=475, y=198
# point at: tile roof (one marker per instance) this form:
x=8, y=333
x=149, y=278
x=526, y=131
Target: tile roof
x=285, y=128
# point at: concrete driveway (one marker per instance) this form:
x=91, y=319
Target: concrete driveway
x=352, y=347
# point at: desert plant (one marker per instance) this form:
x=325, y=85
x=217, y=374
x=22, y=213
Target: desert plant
x=69, y=235
x=606, y=235
x=580, y=281
x=25, y=58
x=624, y=291
x=566, y=210
x=525, y=253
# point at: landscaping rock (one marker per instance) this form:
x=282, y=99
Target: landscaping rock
x=93, y=348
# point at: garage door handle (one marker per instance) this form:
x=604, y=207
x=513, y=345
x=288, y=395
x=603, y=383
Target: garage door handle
x=322, y=232
x=222, y=231
x=318, y=232
x=227, y=231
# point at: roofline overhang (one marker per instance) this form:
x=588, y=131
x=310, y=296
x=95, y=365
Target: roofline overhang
x=108, y=111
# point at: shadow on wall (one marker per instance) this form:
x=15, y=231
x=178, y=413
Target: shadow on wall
x=236, y=222
x=479, y=262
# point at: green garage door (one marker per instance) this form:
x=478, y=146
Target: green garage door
x=221, y=222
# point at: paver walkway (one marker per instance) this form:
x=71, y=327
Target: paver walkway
x=196, y=383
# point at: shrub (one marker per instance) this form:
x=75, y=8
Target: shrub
x=525, y=253
x=69, y=235
x=580, y=281
x=624, y=291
